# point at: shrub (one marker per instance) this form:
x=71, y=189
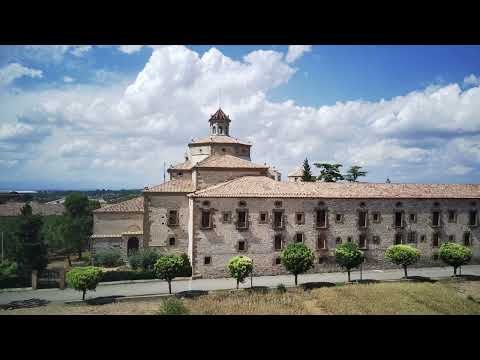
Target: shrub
x=144, y=259
x=125, y=275
x=84, y=278
x=281, y=288
x=168, y=267
x=403, y=255
x=173, y=306
x=240, y=268
x=348, y=256
x=186, y=267
x=455, y=255
x=297, y=259
x=108, y=258
x=86, y=257
x=8, y=269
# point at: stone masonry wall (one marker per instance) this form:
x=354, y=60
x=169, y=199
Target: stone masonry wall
x=117, y=223
x=207, y=178
x=221, y=242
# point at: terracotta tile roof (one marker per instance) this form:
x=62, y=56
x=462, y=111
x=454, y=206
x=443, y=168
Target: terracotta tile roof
x=173, y=186
x=219, y=139
x=262, y=186
x=186, y=165
x=228, y=161
x=297, y=172
x=219, y=115
x=132, y=205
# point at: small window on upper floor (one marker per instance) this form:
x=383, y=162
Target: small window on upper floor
x=412, y=217
x=473, y=218
x=338, y=218
x=263, y=217
x=278, y=242
x=227, y=217
x=376, y=217
x=362, y=219
x=452, y=216
x=206, y=219
x=321, y=220
x=300, y=218
x=171, y=241
x=207, y=260
x=299, y=238
x=172, y=218
x=436, y=218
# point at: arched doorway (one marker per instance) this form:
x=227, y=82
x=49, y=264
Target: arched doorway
x=132, y=245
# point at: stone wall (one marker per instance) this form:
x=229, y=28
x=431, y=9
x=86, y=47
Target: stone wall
x=116, y=223
x=157, y=232
x=206, y=177
x=221, y=242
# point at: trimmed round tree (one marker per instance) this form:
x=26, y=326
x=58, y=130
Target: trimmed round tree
x=297, y=259
x=240, y=268
x=168, y=267
x=84, y=278
x=455, y=255
x=403, y=255
x=349, y=256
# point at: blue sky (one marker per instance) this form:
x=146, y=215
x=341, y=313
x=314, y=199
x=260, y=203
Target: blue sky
x=84, y=116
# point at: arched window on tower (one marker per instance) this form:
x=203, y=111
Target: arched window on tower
x=214, y=129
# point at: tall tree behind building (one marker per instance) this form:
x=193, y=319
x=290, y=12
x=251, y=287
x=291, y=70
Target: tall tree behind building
x=329, y=172
x=307, y=172
x=354, y=173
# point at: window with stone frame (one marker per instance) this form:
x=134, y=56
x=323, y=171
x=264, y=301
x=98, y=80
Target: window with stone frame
x=349, y=239
x=435, y=239
x=263, y=217
x=362, y=219
x=321, y=218
x=278, y=242
x=278, y=261
x=242, y=219
x=398, y=219
x=423, y=238
x=452, y=216
x=206, y=222
x=376, y=239
x=322, y=241
x=467, y=238
x=299, y=218
x=172, y=217
x=299, y=238
x=436, y=218
x=241, y=245
x=207, y=260
x=398, y=239
x=412, y=217
x=451, y=238
x=338, y=240
x=278, y=219
x=376, y=217
x=227, y=217
x=473, y=218
x=171, y=241
x=412, y=237
x=362, y=241
x=339, y=218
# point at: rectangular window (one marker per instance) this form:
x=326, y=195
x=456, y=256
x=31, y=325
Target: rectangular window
x=362, y=241
x=241, y=246
x=435, y=239
x=207, y=260
x=472, y=218
x=278, y=261
x=349, y=239
x=376, y=217
x=398, y=238
x=299, y=238
x=467, y=239
x=362, y=219
x=278, y=219
x=226, y=217
x=171, y=241
x=398, y=219
x=278, y=242
x=423, y=238
x=412, y=237
x=172, y=217
x=413, y=218
x=451, y=238
x=338, y=240
x=376, y=239
x=452, y=216
x=299, y=218
x=338, y=218
x=242, y=222
x=263, y=217
x=321, y=241
x=436, y=218
x=206, y=219
x=321, y=218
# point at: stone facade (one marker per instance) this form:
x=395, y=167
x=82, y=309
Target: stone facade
x=198, y=212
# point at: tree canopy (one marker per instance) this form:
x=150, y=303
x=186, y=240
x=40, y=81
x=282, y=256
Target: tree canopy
x=354, y=173
x=329, y=172
x=307, y=172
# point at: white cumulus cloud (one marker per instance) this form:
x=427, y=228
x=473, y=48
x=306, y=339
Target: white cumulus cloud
x=130, y=49
x=295, y=52
x=471, y=80
x=68, y=79
x=13, y=71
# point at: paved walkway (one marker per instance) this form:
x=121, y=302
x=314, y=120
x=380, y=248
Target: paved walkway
x=161, y=287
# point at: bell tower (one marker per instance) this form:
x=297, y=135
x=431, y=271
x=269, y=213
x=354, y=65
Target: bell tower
x=219, y=124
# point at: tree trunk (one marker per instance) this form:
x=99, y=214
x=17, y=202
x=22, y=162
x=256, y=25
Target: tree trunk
x=237, y=284
x=169, y=286
x=454, y=271
x=405, y=270
x=79, y=254
x=69, y=261
x=83, y=296
x=296, y=282
x=348, y=272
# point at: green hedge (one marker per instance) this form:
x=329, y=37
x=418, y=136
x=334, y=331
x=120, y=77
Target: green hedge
x=127, y=275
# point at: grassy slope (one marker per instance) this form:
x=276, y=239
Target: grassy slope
x=388, y=298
